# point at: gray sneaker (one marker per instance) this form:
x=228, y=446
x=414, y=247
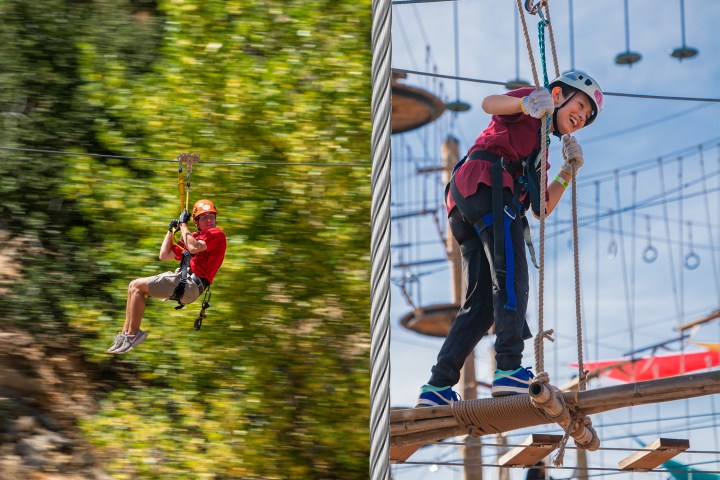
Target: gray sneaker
x=131, y=341
x=119, y=339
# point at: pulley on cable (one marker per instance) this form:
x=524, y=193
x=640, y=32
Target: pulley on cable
x=188, y=160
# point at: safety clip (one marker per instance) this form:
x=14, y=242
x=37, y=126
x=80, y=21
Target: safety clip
x=534, y=7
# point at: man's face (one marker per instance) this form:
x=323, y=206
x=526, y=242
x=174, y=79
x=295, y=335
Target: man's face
x=205, y=221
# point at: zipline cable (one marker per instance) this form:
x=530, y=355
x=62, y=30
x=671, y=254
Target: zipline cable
x=151, y=159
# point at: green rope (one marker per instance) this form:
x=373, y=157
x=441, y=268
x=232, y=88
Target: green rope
x=546, y=82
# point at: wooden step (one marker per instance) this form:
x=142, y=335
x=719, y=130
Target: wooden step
x=658, y=452
x=531, y=450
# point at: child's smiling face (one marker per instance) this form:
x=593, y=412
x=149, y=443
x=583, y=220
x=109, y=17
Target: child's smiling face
x=576, y=112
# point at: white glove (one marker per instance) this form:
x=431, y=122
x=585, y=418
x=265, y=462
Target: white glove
x=572, y=154
x=538, y=104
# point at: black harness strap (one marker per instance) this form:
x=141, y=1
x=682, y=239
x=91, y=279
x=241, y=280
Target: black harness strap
x=498, y=206
x=180, y=289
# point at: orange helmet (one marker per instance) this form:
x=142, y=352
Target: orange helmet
x=201, y=207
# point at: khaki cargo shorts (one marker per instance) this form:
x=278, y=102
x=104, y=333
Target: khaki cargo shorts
x=163, y=286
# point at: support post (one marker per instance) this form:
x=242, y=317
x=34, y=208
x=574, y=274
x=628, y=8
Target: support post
x=472, y=454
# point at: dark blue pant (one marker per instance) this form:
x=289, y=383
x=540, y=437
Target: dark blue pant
x=485, y=299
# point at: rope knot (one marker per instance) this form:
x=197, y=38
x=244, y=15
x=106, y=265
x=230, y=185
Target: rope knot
x=542, y=377
x=474, y=431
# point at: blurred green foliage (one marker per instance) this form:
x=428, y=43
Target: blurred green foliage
x=275, y=384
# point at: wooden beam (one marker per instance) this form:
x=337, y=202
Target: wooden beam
x=401, y=454
x=707, y=318
x=642, y=393
x=658, y=452
x=533, y=449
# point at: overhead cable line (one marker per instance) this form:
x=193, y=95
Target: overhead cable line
x=608, y=94
x=645, y=164
x=652, y=123
x=151, y=159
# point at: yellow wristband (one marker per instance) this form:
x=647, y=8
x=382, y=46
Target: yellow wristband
x=522, y=109
x=561, y=181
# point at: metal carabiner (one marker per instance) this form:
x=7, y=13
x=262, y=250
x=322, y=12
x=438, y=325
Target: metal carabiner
x=536, y=8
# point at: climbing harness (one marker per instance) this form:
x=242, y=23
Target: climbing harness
x=525, y=175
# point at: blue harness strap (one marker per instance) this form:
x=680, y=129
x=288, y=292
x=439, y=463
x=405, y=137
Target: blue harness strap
x=511, y=303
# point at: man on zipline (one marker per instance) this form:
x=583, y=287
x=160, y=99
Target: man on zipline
x=493, y=185
x=207, y=247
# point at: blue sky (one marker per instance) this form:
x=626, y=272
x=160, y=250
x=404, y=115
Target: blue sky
x=677, y=213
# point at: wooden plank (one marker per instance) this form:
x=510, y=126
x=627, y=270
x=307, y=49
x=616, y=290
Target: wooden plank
x=658, y=452
x=420, y=413
x=531, y=450
x=402, y=453
x=412, y=426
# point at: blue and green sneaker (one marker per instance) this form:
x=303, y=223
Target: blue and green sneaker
x=511, y=382
x=435, y=396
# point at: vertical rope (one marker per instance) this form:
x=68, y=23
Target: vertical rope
x=539, y=348
x=380, y=243
x=582, y=374
x=708, y=219
x=666, y=218
x=552, y=39
x=521, y=14
x=572, y=34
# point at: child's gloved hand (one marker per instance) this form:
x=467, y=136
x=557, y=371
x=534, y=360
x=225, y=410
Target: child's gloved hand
x=572, y=153
x=538, y=104
x=174, y=225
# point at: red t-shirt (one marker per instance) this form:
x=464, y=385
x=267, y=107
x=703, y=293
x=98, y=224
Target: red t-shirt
x=513, y=137
x=206, y=263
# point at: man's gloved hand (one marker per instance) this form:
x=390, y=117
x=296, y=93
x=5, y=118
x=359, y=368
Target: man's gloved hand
x=184, y=217
x=572, y=153
x=174, y=225
x=538, y=104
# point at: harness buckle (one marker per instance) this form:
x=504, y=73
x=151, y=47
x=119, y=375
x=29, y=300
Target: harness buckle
x=508, y=211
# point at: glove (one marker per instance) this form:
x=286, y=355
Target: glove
x=572, y=153
x=538, y=104
x=174, y=224
x=184, y=217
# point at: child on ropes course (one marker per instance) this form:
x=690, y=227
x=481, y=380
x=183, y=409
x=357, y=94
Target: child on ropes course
x=207, y=247
x=494, y=184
